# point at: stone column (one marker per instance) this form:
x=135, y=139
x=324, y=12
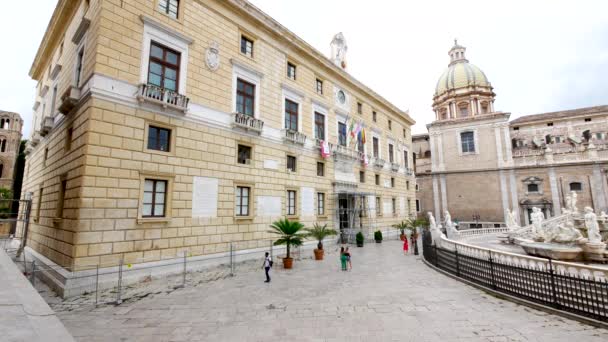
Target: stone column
x=508, y=147
x=557, y=205
x=436, y=198
x=504, y=193
x=599, y=197
x=433, y=144
x=440, y=151
x=514, y=202
x=472, y=105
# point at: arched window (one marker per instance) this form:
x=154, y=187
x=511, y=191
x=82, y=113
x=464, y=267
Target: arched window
x=576, y=186
x=484, y=108
x=1, y=170
x=3, y=145
x=463, y=110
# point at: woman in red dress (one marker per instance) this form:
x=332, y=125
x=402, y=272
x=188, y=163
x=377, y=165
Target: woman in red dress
x=405, y=246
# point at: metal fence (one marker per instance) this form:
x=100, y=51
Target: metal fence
x=114, y=284
x=578, y=294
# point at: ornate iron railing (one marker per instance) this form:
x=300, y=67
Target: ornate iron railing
x=164, y=97
x=571, y=287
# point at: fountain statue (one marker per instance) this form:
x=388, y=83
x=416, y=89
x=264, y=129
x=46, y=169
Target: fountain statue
x=449, y=225
x=435, y=230
x=563, y=233
x=573, y=207
x=537, y=222
x=512, y=221
x=593, y=229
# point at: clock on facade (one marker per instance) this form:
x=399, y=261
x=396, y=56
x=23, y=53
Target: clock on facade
x=341, y=97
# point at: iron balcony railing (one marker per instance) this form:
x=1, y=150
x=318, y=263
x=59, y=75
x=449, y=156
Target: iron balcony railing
x=294, y=136
x=162, y=96
x=345, y=152
x=247, y=122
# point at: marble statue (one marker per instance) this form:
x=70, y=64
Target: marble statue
x=537, y=221
x=432, y=223
x=449, y=225
x=568, y=208
x=564, y=233
x=512, y=221
x=593, y=229
x=338, y=50
x=573, y=207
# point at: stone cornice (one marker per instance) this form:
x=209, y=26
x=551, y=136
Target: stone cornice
x=59, y=21
x=292, y=39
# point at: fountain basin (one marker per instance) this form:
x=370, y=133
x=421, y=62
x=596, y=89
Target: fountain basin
x=553, y=251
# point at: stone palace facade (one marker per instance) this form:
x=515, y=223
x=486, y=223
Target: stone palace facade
x=478, y=165
x=171, y=126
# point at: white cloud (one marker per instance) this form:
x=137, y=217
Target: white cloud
x=539, y=55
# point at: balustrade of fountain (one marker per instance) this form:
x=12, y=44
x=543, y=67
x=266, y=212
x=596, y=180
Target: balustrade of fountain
x=520, y=260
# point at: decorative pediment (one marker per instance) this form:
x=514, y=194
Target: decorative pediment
x=532, y=180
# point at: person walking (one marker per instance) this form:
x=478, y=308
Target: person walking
x=267, y=266
x=343, y=258
x=406, y=247
x=348, y=259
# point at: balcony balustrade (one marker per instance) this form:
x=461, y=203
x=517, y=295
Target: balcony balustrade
x=379, y=162
x=163, y=97
x=247, y=122
x=294, y=137
x=46, y=125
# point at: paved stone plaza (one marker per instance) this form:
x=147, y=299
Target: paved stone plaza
x=386, y=297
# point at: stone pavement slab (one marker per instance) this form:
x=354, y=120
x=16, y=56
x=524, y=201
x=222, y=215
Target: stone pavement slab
x=386, y=297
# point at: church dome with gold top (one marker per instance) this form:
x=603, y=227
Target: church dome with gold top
x=463, y=89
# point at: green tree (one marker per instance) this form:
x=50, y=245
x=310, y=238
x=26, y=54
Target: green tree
x=319, y=233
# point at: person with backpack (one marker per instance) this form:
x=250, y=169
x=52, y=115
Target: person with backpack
x=267, y=266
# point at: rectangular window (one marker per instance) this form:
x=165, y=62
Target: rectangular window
x=374, y=116
x=61, y=198
x=291, y=115
x=390, y=125
x=404, y=133
x=242, y=200
x=54, y=101
x=377, y=178
x=392, y=182
x=406, y=161
x=246, y=46
x=244, y=155
x=394, y=204
x=361, y=176
x=163, y=70
x=359, y=108
x=319, y=87
x=341, y=133
x=46, y=156
x=391, y=157
x=291, y=163
x=245, y=97
x=68, y=138
x=319, y=126
x=407, y=185
x=378, y=206
x=550, y=124
x=417, y=206
x=39, y=204
x=291, y=71
x=155, y=196
x=587, y=119
x=320, y=203
x=169, y=7
x=376, y=147
x=467, y=140
x=159, y=138
x=291, y=202
x=320, y=169
x=79, y=62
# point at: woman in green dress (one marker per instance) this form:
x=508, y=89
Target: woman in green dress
x=343, y=259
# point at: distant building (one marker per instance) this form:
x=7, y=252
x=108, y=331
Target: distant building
x=10, y=140
x=478, y=165
x=188, y=126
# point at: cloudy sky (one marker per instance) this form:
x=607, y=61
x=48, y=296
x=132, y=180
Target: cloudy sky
x=540, y=56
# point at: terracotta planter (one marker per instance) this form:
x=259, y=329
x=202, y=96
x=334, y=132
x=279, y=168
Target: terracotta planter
x=319, y=254
x=287, y=263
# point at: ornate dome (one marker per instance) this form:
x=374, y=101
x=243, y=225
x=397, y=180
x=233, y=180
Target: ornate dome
x=460, y=73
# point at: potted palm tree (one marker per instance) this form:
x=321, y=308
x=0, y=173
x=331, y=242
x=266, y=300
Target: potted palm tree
x=402, y=226
x=320, y=232
x=290, y=234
